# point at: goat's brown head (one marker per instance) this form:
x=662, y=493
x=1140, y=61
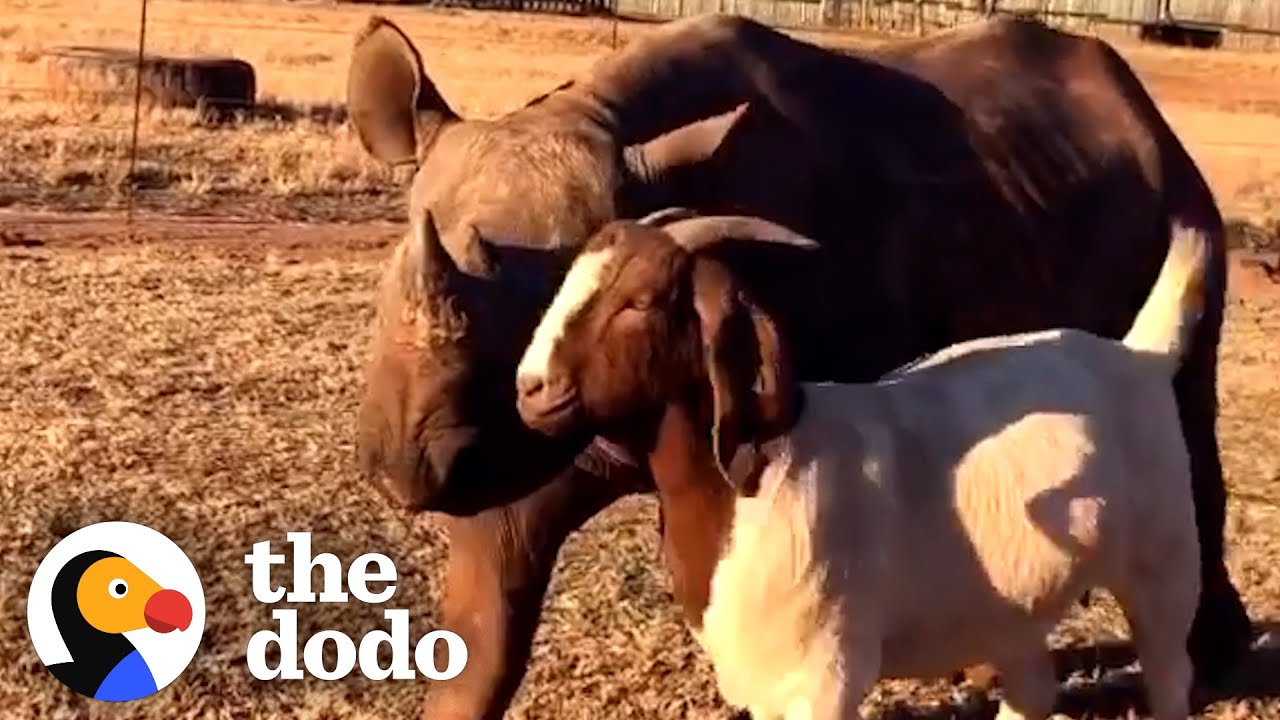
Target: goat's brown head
x=648, y=316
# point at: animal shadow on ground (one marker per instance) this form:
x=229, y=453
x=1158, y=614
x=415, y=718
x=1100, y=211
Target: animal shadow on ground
x=1102, y=681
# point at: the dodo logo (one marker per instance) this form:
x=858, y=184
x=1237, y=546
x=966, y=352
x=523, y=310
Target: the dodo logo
x=116, y=611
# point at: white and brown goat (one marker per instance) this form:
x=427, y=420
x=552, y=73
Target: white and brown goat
x=946, y=515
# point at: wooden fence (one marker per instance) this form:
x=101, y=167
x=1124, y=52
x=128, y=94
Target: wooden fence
x=564, y=7
x=1228, y=23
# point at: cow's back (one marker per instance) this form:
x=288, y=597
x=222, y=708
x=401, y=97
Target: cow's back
x=994, y=179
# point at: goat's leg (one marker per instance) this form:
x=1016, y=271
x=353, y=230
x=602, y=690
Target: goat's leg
x=840, y=699
x=498, y=568
x=1166, y=668
x=837, y=691
x=984, y=677
x=1030, y=685
x=1158, y=598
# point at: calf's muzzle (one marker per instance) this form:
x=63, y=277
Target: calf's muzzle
x=422, y=477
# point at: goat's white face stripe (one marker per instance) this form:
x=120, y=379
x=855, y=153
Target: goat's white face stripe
x=580, y=284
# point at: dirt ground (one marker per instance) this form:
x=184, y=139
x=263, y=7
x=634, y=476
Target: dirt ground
x=198, y=372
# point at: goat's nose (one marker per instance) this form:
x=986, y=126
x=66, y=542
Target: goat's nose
x=547, y=402
x=544, y=388
x=529, y=385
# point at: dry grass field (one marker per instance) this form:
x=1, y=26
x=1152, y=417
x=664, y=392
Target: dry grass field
x=199, y=374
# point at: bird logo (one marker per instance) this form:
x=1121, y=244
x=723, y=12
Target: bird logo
x=116, y=611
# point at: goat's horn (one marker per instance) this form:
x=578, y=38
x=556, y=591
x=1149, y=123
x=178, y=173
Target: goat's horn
x=665, y=216
x=698, y=233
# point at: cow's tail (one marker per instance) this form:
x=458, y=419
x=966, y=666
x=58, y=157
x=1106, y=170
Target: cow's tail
x=1167, y=321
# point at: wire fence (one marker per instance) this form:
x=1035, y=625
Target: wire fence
x=80, y=89
x=1245, y=24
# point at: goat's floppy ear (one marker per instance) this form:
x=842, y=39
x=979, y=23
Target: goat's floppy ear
x=746, y=365
x=775, y=391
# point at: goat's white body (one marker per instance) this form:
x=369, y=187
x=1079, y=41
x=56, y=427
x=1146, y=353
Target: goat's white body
x=950, y=514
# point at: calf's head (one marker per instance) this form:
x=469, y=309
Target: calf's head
x=648, y=317
x=492, y=205
x=436, y=422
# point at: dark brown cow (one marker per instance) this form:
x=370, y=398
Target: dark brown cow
x=988, y=180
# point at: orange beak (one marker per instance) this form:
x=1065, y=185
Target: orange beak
x=167, y=610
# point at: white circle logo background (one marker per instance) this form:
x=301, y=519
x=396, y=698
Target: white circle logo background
x=154, y=554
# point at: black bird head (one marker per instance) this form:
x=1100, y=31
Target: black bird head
x=97, y=597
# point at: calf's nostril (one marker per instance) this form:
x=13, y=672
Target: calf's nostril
x=528, y=385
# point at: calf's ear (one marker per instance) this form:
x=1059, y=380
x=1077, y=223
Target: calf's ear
x=392, y=104
x=746, y=364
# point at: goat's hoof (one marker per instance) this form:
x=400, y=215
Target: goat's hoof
x=983, y=676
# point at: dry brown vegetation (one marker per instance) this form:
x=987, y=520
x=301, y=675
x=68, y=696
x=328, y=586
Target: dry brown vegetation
x=200, y=376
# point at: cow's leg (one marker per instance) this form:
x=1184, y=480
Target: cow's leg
x=498, y=568
x=1222, y=631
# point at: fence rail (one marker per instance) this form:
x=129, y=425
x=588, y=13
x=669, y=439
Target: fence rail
x=564, y=7
x=1253, y=24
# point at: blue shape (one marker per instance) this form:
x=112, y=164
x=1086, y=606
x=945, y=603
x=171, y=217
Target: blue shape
x=130, y=679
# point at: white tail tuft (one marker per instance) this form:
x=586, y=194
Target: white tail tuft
x=1168, y=318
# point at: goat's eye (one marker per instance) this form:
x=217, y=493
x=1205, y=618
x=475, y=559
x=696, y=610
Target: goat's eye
x=640, y=302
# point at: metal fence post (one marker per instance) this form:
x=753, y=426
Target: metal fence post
x=137, y=112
